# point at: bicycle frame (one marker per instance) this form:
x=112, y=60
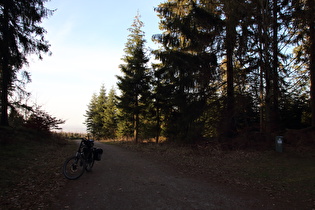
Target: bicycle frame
x=85, y=149
x=82, y=161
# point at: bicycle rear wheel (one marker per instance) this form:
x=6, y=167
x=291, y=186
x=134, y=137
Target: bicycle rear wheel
x=73, y=167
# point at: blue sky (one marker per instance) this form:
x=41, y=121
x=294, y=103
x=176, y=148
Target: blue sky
x=87, y=40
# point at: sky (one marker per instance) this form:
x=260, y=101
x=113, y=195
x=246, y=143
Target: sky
x=87, y=41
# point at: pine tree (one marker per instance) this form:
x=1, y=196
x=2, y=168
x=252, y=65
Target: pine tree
x=99, y=117
x=188, y=65
x=134, y=84
x=89, y=115
x=95, y=113
x=110, y=115
x=20, y=35
x=252, y=39
x=304, y=38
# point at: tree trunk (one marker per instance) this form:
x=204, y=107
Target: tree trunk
x=275, y=76
x=5, y=71
x=311, y=8
x=230, y=43
x=136, y=120
x=158, y=124
x=136, y=128
x=262, y=123
x=261, y=102
x=4, y=95
x=266, y=64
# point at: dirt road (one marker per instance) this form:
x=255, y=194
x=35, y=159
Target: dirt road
x=126, y=180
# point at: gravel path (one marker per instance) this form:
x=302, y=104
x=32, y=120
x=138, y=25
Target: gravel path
x=126, y=180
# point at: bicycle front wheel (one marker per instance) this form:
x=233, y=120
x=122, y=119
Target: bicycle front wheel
x=73, y=167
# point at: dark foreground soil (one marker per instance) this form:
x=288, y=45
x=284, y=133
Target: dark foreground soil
x=126, y=179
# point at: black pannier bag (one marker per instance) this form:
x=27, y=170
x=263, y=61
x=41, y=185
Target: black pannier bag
x=98, y=154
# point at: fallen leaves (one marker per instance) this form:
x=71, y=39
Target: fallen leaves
x=40, y=180
x=282, y=176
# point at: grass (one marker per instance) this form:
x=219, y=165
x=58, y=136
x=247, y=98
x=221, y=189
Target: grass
x=30, y=170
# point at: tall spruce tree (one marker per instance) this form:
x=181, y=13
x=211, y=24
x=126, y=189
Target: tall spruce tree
x=134, y=83
x=99, y=118
x=90, y=116
x=110, y=115
x=20, y=35
x=303, y=20
x=230, y=10
x=188, y=65
x=95, y=113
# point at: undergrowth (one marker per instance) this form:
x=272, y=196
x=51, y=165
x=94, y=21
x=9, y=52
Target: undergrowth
x=30, y=169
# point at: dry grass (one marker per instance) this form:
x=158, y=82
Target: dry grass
x=30, y=171
x=287, y=176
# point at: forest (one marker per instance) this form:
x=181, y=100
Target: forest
x=226, y=75
x=223, y=69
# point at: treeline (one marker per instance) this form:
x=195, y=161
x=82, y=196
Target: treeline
x=72, y=135
x=224, y=68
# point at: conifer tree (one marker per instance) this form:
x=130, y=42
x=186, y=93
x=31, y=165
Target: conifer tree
x=94, y=115
x=304, y=38
x=90, y=115
x=188, y=65
x=20, y=35
x=134, y=83
x=99, y=117
x=110, y=115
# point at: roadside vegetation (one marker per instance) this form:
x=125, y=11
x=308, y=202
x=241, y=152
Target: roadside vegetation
x=30, y=168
